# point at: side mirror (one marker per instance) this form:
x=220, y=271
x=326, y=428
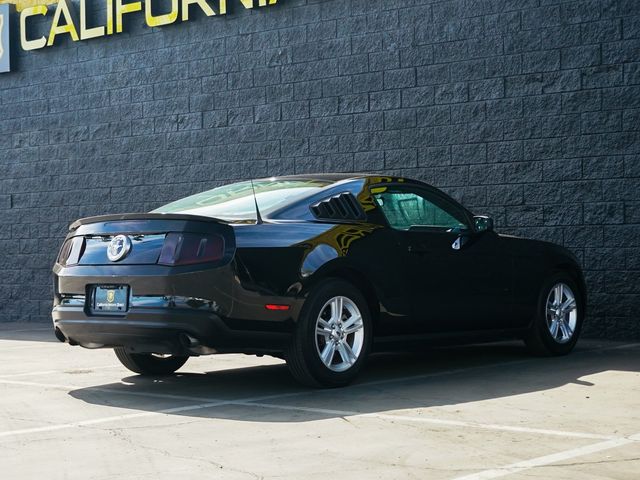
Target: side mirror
x=483, y=223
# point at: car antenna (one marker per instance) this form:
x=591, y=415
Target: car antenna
x=255, y=200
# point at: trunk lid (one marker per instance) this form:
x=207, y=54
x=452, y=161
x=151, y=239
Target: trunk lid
x=150, y=238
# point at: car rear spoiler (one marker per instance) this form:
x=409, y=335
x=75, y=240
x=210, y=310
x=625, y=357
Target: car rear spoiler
x=142, y=216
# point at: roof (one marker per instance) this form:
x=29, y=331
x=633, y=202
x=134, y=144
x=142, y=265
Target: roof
x=339, y=177
x=331, y=177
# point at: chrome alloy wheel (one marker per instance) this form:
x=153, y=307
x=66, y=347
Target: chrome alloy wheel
x=339, y=334
x=561, y=313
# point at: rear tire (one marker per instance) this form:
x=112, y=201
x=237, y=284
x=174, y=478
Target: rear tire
x=558, y=322
x=148, y=363
x=328, y=349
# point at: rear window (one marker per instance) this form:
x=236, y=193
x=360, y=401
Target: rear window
x=235, y=201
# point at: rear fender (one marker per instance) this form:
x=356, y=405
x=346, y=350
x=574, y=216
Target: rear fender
x=349, y=271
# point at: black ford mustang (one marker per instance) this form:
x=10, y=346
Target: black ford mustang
x=318, y=269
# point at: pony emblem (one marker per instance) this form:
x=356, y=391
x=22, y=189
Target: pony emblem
x=118, y=248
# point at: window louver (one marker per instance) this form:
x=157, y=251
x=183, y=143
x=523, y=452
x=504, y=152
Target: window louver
x=343, y=206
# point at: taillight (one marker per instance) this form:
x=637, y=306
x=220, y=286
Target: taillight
x=71, y=251
x=64, y=252
x=190, y=248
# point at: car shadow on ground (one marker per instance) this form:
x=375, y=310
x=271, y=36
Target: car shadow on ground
x=437, y=377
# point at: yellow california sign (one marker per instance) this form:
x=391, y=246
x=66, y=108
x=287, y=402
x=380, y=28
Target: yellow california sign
x=21, y=4
x=65, y=20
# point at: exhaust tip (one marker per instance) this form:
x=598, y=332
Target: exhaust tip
x=59, y=335
x=187, y=341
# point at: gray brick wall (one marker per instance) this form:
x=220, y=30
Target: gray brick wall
x=525, y=109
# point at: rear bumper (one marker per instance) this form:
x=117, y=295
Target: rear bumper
x=161, y=330
x=166, y=303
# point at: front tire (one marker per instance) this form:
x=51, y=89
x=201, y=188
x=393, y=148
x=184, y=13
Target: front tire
x=333, y=336
x=558, y=322
x=148, y=363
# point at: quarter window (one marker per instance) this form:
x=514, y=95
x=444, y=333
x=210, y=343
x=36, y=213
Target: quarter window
x=407, y=210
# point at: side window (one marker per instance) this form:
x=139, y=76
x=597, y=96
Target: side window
x=406, y=209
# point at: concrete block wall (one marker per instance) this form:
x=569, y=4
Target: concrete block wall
x=528, y=110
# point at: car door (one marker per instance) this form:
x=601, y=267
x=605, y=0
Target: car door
x=455, y=277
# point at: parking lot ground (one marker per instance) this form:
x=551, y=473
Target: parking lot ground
x=474, y=412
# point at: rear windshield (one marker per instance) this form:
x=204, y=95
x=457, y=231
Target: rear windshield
x=235, y=201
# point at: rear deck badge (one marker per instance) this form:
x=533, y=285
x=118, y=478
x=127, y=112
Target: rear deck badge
x=118, y=248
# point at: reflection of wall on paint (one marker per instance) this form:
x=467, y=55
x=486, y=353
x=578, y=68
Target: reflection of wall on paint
x=20, y=4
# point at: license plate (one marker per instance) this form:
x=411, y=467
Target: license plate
x=110, y=299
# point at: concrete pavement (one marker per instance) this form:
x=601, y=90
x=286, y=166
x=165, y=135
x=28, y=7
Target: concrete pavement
x=484, y=411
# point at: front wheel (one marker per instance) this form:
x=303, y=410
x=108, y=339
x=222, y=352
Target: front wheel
x=558, y=322
x=150, y=363
x=332, y=337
